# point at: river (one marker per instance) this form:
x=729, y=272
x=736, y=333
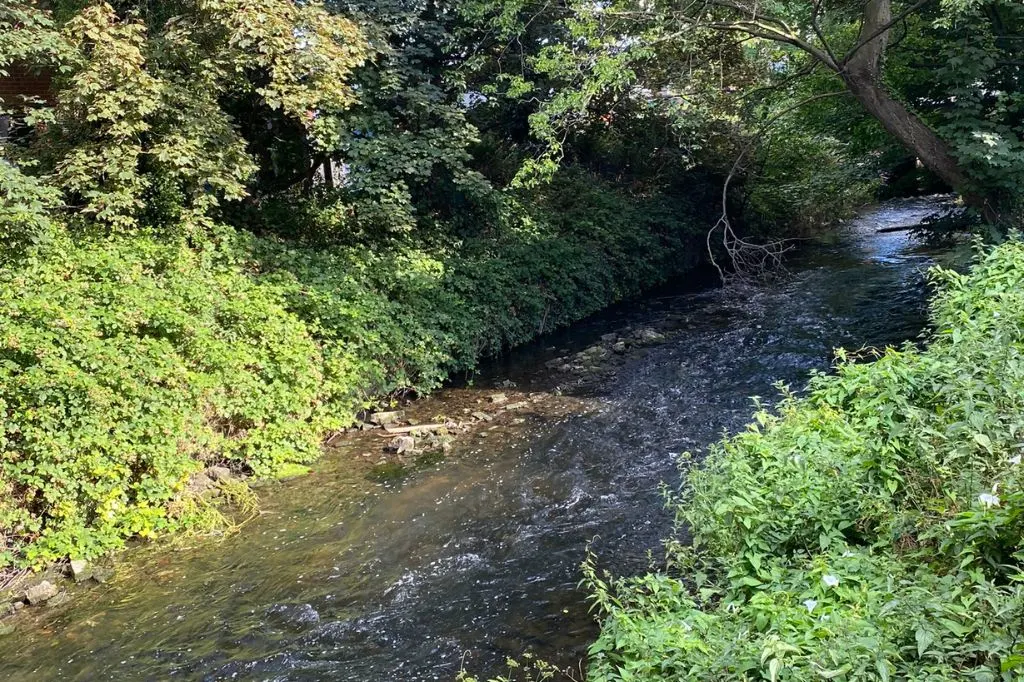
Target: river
x=477, y=558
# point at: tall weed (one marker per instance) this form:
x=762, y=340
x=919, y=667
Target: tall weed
x=871, y=530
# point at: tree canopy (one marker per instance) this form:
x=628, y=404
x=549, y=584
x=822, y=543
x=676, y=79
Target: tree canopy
x=942, y=79
x=163, y=111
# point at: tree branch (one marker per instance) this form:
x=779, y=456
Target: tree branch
x=816, y=26
x=768, y=33
x=747, y=256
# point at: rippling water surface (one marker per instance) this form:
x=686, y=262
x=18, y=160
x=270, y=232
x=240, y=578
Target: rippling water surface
x=343, y=579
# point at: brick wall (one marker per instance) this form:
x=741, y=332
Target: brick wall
x=21, y=82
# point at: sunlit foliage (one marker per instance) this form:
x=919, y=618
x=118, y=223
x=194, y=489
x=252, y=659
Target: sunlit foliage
x=867, y=531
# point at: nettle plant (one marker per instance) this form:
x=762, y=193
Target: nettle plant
x=871, y=530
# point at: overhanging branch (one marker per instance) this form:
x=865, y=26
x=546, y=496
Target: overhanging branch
x=750, y=260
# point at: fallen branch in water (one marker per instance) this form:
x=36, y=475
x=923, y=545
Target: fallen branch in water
x=751, y=262
x=901, y=228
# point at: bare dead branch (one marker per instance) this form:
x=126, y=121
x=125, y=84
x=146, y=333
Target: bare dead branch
x=751, y=262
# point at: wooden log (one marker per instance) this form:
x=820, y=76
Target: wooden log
x=396, y=430
x=901, y=228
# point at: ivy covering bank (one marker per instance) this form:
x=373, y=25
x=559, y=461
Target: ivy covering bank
x=871, y=530
x=127, y=363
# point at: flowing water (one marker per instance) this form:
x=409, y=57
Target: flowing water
x=341, y=578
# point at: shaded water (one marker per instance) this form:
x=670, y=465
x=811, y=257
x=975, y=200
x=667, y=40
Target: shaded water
x=342, y=579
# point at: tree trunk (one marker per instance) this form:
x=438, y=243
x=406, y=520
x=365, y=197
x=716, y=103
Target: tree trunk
x=862, y=74
x=909, y=130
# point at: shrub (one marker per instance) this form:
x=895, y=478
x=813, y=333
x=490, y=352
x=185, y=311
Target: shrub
x=869, y=530
x=124, y=363
x=804, y=181
x=130, y=362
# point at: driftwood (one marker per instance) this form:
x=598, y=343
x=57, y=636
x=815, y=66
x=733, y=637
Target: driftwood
x=397, y=430
x=901, y=228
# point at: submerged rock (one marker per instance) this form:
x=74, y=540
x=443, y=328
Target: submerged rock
x=293, y=616
x=102, y=574
x=58, y=599
x=386, y=472
x=498, y=398
x=482, y=416
x=336, y=633
x=649, y=335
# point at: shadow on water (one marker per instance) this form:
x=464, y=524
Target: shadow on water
x=341, y=579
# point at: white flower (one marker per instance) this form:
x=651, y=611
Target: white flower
x=989, y=500
x=1015, y=459
x=830, y=580
x=810, y=604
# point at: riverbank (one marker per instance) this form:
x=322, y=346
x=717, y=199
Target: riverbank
x=387, y=446
x=481, y=553
x=870, y=530
x=415, y=434
x=145, y=379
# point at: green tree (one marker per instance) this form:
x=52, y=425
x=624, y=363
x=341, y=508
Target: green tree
x=710, y=60
x=140, y=133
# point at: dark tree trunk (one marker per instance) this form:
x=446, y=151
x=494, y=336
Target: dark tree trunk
x=862, y=75
x=908, y=129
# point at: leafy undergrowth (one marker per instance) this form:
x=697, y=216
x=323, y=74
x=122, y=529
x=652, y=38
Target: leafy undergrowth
x=871, y=530
x=129, y=363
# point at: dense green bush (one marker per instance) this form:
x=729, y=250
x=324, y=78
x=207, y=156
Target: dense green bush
x=123, y=363
x=129, y=362
x=870, y=530
x=805, y=180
